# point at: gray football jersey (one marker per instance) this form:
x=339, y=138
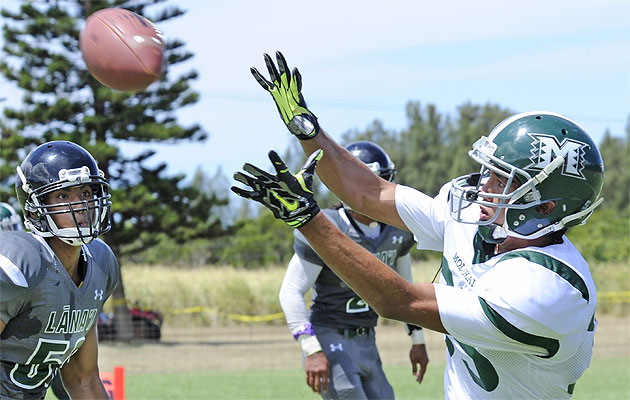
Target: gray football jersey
x=334, y=303
x=46, y=315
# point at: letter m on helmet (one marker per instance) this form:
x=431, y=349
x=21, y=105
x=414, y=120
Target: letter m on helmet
x=546, y=147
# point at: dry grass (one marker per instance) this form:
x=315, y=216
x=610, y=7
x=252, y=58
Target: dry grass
x=206, y=296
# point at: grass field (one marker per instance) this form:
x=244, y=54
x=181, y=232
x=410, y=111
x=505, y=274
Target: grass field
x=606, y=379
x=263, y=362
x=205, y=355
x=601, y=381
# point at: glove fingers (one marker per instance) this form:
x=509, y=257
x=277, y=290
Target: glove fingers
x=247, y=180
x=273, y=72
x=311, y=162
x=258, y=173
x=298, y=80
x=278, y=164
x=261, y=80
x=245, y=193
x=282, y=65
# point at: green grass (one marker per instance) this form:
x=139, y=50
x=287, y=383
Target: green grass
x=607, y=378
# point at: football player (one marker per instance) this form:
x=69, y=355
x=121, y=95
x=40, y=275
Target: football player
x=337, y=339
x=9, y=219
x=55, y=279
x=9, y=222
x=516, y=300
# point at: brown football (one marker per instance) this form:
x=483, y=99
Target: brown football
x=122, y=49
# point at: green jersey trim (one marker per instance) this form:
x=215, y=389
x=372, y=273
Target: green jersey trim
x=552, y=264
x=446, y=272
x=551, y=345
x=591, y=325
x=13, y=272
x=483, y=250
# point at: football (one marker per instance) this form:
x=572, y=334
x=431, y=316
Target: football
x=122, y=49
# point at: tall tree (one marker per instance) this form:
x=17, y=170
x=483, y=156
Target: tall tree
x=615, y=152
x=421, y=152
x=472, y=122
x=62, y=101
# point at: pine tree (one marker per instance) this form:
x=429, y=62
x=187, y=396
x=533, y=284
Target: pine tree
x=472, y=122
x=62, y=101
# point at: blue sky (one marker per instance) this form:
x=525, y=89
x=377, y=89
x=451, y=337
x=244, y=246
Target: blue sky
x=364, y=60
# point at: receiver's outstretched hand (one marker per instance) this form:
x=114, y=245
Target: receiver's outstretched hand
x=286, y=89
x=290, y=197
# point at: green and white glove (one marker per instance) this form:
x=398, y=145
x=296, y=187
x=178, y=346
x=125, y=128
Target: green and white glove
x=290, y=197
x=286, y=90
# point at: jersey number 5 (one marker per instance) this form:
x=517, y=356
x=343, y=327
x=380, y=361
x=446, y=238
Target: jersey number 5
x=39, y=366
x=488, y=378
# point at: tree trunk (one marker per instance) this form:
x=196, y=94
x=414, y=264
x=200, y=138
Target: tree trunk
x=122, y=320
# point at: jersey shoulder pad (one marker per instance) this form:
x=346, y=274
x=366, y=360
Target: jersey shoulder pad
x=558, y=270
x=22, y=268
x=105, y=259
x=23, y=259
x=545, y=295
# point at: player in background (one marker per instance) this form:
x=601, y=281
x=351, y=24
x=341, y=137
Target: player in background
x=55, y=279
x=516, y=300
x=10, y=220
x=338, y=339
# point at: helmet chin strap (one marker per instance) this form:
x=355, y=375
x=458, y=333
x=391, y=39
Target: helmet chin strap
x=68, y=240
x=371, y=224
x=493, y=233
x=73, y=236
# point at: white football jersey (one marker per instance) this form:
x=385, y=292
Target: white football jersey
x=521, y=324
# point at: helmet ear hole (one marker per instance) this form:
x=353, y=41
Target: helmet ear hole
x=546, y=208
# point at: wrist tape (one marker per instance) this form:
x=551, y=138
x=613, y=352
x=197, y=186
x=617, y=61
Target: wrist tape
x=417, y=337
x=310, y=344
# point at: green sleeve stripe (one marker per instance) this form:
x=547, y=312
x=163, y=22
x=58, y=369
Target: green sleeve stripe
x=449, y=346
x=509, y=330
x=446, y=272
x=554, y=265
x=591, y=325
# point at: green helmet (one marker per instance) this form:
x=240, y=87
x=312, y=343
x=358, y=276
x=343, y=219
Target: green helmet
x=552, y=157
x=9, y=219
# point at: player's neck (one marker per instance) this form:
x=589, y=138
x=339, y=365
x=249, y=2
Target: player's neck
x=359, y=217
x=513, y=243
x=68, y=255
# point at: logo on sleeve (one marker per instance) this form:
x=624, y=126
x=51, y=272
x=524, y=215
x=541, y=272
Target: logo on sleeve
x=397, y=239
